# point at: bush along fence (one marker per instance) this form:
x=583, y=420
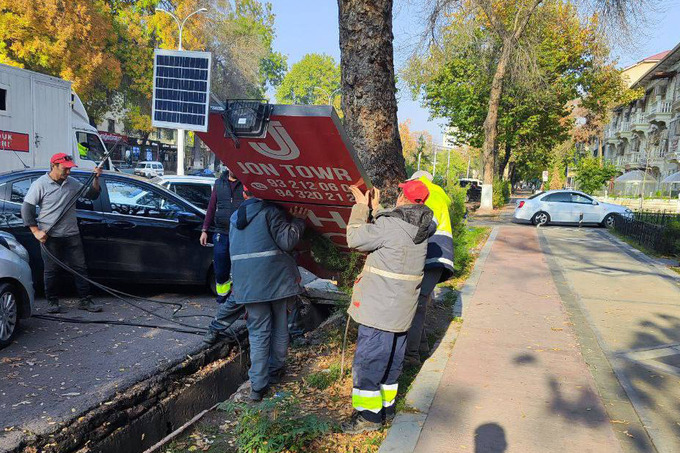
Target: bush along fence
x=659, y=232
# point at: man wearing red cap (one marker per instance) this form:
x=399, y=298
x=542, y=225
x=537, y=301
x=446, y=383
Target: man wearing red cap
x=385, y=296
x=52, y=193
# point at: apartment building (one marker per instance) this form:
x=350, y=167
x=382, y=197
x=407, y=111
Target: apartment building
x=643, y=137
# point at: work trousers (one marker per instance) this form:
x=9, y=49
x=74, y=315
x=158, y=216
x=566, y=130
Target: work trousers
x=376, y=368
x=267, y=324
x=222, y=265
x=70, y=251
x=416, y=341
x=227, y=312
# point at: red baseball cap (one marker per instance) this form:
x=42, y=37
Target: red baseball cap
x=64, y=159
x=415, y=191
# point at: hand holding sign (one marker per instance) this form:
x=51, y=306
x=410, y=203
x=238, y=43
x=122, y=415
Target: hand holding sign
x=299, y=212
x=359, y=196
x=374, y=201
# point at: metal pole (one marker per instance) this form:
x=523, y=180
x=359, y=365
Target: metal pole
x=434, y=165
x=419, y=153
x=448, y=166
x=180, y=132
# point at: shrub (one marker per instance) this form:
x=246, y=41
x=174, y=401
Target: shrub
x=274, y=425
x=501, y=193
x=672, y=235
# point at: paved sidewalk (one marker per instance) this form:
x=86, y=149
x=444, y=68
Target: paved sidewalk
x=632, y=306
x=516, y=380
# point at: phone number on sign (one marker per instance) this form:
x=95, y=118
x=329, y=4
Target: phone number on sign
x=313, y=195
x=323, y=186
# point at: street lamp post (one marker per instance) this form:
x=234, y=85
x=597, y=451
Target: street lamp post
x=330, y=96
x=180, y=132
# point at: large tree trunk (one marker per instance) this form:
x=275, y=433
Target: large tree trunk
x=490, y=147
x=504, y=161
x=368, y=89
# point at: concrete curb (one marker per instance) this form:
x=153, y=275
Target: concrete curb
x=404, y=433
x=641, y=256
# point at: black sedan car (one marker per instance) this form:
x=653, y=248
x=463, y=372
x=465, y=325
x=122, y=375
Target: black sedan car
x=134, y=232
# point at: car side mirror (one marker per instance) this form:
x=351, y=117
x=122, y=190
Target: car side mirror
x=188, y=218
x=595, y=203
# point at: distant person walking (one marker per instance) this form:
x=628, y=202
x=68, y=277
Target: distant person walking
x=438, y=266
x=266, y=280
x=52, y=193
x=385, y=296
x=226, y=197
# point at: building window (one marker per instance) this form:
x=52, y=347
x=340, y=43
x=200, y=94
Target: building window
x=112, y=126
x=3, y=100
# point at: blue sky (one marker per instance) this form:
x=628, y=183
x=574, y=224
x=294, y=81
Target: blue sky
x=311, y=26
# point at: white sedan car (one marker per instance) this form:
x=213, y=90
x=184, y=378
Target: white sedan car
x=16, y=287
x=567, y=207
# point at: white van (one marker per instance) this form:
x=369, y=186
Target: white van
x=39, y=116
x=149, y=169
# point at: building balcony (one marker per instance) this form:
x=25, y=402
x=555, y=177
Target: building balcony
x=660, y=111
x=640, y=122
x=634, y=160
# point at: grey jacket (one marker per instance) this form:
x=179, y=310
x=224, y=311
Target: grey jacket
x=386, y=291
x=260, y=239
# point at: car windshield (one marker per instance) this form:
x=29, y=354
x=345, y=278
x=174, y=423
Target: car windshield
x=90, y=147
x=535, y=195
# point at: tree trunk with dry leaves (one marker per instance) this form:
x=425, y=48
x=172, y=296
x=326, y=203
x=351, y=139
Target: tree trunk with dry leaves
x=368, y=89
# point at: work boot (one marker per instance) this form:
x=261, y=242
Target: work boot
x=389, y=413
x=358, y=424
x=412, y=362
x=257, y=395
x=53, y=306
x=212, y=337
x=87, y=305
x=277, y=376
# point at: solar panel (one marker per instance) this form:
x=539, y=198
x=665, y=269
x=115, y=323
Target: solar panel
x=181, y=89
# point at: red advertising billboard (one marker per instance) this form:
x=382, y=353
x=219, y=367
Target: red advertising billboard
x=13, y=141
x=304, y=159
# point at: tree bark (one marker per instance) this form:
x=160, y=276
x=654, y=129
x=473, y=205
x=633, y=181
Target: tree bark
x=506, y=158
x=368, y=89
x=489, y=149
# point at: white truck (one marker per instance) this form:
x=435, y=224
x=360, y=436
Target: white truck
x=40, y=115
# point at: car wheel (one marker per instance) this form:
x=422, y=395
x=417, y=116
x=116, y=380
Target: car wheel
x=540, y=218
x=609, y=221
x=212, y=285
x=9, y=315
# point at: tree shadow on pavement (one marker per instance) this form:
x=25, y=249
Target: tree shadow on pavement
x=490, y=438
x=651, y=384
x=585, y=409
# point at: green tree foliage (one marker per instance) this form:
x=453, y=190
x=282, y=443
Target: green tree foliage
x=564, y=62
x=106, y=47
x=313, y=80
x=592, y=174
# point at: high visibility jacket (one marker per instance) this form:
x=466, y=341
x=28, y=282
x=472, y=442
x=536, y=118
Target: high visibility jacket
x=82, y=151
x=440, y=245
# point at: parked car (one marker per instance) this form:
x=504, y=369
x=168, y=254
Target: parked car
x=16, y=287
x=567, y=207
x=195, y=189
x=201, y=172
x=149, y=169
x=135, y=231
x=474, y=188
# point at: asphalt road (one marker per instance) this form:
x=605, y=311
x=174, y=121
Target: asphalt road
x=56, y=371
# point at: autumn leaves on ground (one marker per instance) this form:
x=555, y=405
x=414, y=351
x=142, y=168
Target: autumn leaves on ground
x=304, y=412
